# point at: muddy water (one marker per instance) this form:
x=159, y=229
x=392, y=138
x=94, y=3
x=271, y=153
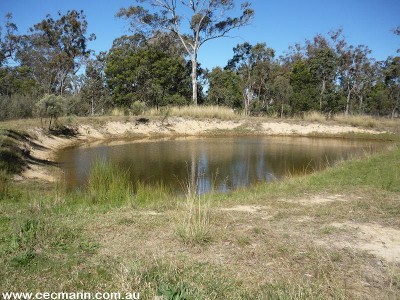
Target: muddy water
x=220, y=163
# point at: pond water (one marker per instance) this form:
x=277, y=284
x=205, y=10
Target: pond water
x=221, y=163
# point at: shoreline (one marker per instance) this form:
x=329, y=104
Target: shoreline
x=49, y=144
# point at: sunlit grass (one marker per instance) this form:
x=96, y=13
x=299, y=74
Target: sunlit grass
x=198, y=112
x=194, y=219
x=157, y=194
x=358, y=120
x=108, y=184
x=314, y=116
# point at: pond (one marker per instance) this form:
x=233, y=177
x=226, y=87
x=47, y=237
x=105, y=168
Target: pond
x=219, y=163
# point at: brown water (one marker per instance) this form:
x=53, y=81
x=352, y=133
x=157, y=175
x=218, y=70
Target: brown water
x=223, y=163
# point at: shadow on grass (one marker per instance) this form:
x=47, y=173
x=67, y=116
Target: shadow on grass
x=15, y=149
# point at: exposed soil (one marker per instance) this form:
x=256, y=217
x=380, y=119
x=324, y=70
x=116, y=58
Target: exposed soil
x=381, y=241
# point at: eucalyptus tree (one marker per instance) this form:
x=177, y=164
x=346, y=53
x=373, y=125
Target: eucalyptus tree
x=194, y=22
x=305, y=95
x=354, y=65
x=141, y=70
x=282, y=91
x=94, y=89
x=253, y=64
x=323, y=63
x=8, y=39
x=392, y=80
x=54, y=49
x=225, y=88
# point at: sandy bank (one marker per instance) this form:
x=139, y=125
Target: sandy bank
x=49, y=144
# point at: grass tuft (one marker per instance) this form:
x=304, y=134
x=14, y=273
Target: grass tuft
x=194, y=222
x=314, y=116
x=157, y=193
x=108, y=184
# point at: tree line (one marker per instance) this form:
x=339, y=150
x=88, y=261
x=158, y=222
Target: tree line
x=51, y=71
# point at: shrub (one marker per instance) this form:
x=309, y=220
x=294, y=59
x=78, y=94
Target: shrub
x=16, y=107
x=52, y=107
x=138, y=108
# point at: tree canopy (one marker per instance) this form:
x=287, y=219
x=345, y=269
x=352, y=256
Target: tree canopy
x=205, y=20
x=157, y=66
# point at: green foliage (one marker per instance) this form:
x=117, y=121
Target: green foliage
x=258, y=108
x=178, y=100
x=108, y=184
x=4, y=184
x=209, y=20
x=52, y=49
x=282, y=90
x=17, y=81
x=52, y=107
x=17, y=106
x=305, y=93
x=76, y=106
x=325, y=74
x=95, y=93
x=11, y=161
x=225, y=88
x=138, y=108
x=144, y=73
x=253, y=65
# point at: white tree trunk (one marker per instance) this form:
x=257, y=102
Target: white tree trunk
x=346, y=112
x=321, y=95
x=194, y=78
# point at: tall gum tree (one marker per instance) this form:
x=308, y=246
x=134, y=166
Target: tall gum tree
x=194, y=22
x=8, y=40
x=252, y=63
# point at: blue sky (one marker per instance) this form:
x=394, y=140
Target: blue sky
x=277, y=23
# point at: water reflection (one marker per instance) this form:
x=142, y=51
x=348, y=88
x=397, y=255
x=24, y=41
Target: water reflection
x=220, y=163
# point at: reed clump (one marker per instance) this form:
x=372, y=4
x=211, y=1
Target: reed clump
x=157, y=193
x=107, y=183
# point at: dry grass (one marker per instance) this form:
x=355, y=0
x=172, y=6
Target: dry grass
x=198, y=112
x=314, y=116
x=358, y=120
x=368, y=121
x=194, y=219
